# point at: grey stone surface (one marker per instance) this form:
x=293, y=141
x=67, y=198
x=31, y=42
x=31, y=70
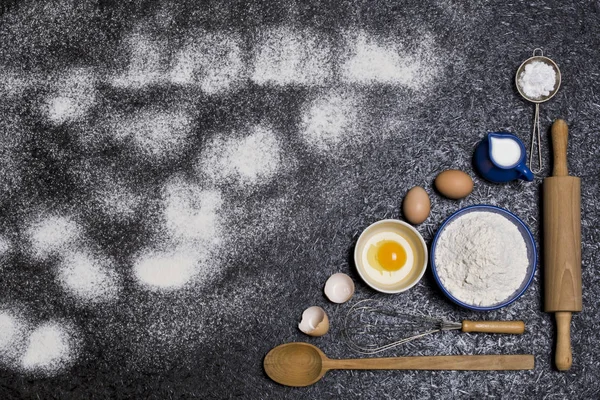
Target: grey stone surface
x=212, y=338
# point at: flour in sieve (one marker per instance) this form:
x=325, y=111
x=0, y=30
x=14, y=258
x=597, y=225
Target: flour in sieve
x=537, y=80
x=481, y=258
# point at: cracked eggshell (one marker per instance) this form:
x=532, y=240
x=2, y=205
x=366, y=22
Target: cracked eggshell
x=314, y=321
x=339, y=288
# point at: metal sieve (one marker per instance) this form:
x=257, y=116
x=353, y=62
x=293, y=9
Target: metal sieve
x=538, y=55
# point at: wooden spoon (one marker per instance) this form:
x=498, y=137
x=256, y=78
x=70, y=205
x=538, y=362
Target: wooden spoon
x=302, y=364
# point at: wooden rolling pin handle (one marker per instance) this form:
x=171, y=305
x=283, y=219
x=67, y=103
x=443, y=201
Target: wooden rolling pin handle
x=563, y=357
x=514, y=327
x=560, y=133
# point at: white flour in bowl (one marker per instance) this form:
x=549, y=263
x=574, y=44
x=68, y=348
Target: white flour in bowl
x=481, y=258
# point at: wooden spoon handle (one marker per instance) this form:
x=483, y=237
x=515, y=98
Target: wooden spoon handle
x=560, y=134
x=563, y=357
x=515, y=327
x=454, y=363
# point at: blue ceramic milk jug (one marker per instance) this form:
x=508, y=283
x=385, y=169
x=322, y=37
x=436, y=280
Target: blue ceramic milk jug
x=500, y=157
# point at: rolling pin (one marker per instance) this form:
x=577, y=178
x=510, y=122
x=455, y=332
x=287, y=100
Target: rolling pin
x=562, y=245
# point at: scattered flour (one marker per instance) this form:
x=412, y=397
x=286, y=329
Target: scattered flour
x=249, y=160
x=167, y=270
x=372, y=60
x=157, y=134
x=12, y=154
x=107, y=191
x=117, y=201
x=50, y=348
x=147, y=62
x=190, y=212
x=75, y=94
x=214, y=61
x=329, y=122
x=481, y=258
x=14, y=84
x=87, y=278
x=5, y=246
x=11, y=332
x=193, y=214
x=286, y=56
x=194, y=234
x=53, y=234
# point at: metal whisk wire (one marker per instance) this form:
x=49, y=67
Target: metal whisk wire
x=372, y=319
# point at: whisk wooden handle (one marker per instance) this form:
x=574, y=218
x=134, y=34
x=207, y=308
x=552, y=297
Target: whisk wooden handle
x=514, y=327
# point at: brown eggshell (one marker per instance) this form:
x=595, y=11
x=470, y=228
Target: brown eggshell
x=416, y=205
x=314, y=321
x=454, y=184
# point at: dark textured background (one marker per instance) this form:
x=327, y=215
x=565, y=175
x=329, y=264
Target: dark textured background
x=257, y=300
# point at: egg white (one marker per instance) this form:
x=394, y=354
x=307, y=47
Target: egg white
x=388, y=277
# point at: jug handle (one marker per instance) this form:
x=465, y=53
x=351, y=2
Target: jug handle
x=524, y=172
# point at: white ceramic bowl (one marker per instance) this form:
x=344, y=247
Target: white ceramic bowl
x=417, y=245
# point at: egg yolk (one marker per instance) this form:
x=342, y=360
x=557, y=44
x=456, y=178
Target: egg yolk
x=391, y=256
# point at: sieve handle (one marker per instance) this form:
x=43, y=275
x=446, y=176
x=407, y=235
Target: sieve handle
x=514, y=327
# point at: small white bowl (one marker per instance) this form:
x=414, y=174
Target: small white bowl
x=417, y=246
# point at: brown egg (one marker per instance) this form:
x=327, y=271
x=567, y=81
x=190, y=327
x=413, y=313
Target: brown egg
x=454, y=184
x=416, y=205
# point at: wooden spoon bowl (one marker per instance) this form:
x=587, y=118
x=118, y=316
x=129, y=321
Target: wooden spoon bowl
x=295, y=364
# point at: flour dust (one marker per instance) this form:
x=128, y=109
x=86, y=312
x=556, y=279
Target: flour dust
x=51, y=347
x=215, y=62
x=45, y=349
x=287, y=56
x=12, y=329
x=331, y=122
x=371, y=60
x=224, y=206
x=148, y=62
x=246, y=159
x=53, y=234
x=5, y=247
x=156, y=135
x=192, y=236
x=87, y=277
x=73, y=96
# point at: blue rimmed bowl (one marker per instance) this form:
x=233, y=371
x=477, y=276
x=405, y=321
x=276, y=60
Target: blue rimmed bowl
x=527, y=237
